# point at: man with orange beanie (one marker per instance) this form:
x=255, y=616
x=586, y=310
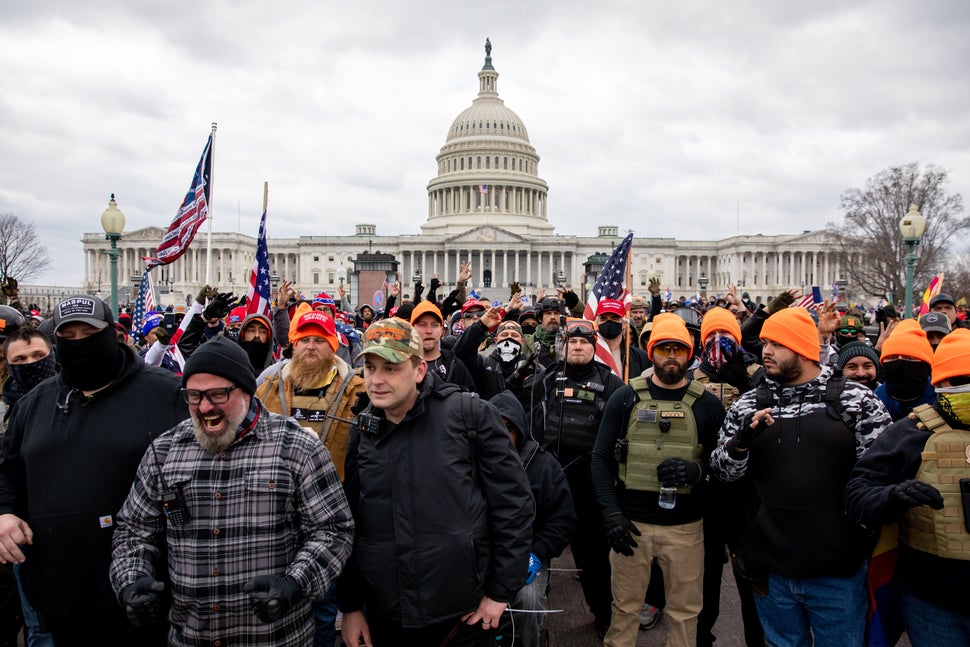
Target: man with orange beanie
x=797, y=437
x=917, y=474
x=656, y=437
x=318, y=389
x=907, y=358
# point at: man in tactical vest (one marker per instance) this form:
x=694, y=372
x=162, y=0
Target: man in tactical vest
x=918, y=473
x=658, y=432
x=575, y=393
x=797, y=437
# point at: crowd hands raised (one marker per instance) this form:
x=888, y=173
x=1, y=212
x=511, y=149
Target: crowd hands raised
x=212, y=476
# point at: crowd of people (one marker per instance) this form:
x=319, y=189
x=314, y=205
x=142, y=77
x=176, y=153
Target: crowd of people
x=406, y=475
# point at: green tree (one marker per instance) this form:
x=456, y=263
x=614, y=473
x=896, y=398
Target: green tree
x=22, y=255
x=870, y=228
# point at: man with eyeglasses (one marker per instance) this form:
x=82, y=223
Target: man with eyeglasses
x=656, y=435
x=68, y=459
x=245, y=508
x=576, y=390
x=796, y=438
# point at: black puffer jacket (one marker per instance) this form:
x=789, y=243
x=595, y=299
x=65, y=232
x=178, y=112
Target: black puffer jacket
x=555, y=517
x=431, y=538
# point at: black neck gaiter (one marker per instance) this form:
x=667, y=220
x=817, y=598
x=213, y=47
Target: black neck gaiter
x=906, y=381
x=92, y=362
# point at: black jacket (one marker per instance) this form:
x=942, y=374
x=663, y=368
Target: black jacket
x=67, y=465
x=431, y=538
x=555, y=517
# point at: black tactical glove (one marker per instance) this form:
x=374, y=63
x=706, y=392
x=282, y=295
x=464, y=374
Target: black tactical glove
x=735, y=372
x=163, y=336
x=435, y=284
x=142, y=601
x=618, y=534
x=781, y=302
x=219, y=307
x=418, y=290
x=913, y=493
x=206, y=293
x=675, y=472
x=745, y=435
x=271, y=596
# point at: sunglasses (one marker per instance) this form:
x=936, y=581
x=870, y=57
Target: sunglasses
x=677, y=350
x=215, y=396
x=473, y=314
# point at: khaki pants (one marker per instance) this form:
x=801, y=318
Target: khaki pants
x=679, y=551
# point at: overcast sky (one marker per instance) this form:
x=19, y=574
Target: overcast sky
x=690, y=119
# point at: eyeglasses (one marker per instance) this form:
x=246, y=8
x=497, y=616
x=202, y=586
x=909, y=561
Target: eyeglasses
x=215, y=396
x=848, y=331
x=677, y=350
x=581, y=327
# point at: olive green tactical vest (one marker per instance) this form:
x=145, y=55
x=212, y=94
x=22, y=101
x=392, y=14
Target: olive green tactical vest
x=946, y=459
x=648, y=445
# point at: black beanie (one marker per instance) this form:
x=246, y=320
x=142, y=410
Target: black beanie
x=856, y=349
x=225, y=358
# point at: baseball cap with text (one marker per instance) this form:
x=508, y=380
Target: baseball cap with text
x=85, y=309
x=392, y=339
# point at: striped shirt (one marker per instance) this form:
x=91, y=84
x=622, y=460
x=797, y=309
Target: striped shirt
x=268, y=504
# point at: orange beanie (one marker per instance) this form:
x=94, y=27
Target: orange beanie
x=952, y=358
x=794, y=329
x=909, y=340
x=720, y=319
x=668, y=328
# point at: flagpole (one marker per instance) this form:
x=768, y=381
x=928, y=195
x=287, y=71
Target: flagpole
x=265, y=194
x=629, y=328
x=212, y=174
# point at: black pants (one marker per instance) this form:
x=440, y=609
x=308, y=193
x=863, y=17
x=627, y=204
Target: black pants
x=102, y=627
x=590, y=548
x=11, y=617
x=389, y=633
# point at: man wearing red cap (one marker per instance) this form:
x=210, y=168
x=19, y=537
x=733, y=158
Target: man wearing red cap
x=797, y=437
x=917, y=473
x=656, y=436
x=613, y=326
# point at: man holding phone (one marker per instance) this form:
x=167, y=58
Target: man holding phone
x=918, y=473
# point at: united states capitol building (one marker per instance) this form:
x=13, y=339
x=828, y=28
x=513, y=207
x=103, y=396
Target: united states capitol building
x=488, y=204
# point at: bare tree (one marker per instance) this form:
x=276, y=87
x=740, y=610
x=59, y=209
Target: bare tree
x=22, y=255
x=956, y=283
x=870, y=229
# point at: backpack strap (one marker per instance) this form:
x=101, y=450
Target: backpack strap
x=833, y=400
x=470, y=406
x=694, y=390
x=763, y=397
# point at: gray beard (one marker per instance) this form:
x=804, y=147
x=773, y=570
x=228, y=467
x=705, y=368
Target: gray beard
x=215, y=444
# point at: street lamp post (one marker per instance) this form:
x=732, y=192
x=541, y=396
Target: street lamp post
x=113, y=223
x=703, y=281
x=911, y=227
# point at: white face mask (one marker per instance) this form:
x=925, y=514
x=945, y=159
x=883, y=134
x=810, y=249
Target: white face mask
x=508, y=349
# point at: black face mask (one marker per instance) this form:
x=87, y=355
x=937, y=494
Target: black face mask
x=906, y=381
x=842, y=340
x=231, y=333
x=610, y=329
x=256, y=350
x=528, y=329
x=89, y=363
x=30, y=375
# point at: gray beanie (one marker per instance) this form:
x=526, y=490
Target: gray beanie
x=856, y=349
x=225, y=358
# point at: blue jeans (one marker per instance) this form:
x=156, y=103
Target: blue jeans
x=928, y=624
x=325, y=618
x=35, y=637
x=832, y=609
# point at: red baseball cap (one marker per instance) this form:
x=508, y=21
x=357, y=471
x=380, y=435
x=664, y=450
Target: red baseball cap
x=614, y=306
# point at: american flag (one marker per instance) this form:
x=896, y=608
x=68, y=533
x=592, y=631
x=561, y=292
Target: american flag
x=811, y=301
x=144, y=302
x=190, y=216
x=610, y=284
x=483, y=188
x=257, y=298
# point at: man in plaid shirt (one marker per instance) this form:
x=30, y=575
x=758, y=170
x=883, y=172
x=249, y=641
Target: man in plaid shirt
x=245, y=506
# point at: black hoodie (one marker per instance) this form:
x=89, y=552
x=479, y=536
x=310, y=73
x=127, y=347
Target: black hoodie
x=555, y=517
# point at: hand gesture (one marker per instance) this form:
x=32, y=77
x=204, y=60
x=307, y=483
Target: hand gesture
x=540, y=294
x=515, y=302
x=466, y=272
x=284, y=293
x=207, y=292
x=514, y=288
x=395, y=289
x=492, y=317
x=828, y=318
x=654, y=286
x=884, y=332
x=341, y=291
x=435, y=282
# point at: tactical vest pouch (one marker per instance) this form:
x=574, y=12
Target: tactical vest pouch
x=945, y=532
x=658, y=430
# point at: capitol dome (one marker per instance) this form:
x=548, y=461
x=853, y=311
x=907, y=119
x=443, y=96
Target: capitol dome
x=487, y=170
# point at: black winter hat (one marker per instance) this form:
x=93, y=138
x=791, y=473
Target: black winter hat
x=225, y=358
x=856, y=349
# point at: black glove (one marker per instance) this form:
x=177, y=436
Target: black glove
x=163, y=336
x=418, y=290
x=675, y=472
x=142, y=602
x=514, y=288
x=219, y=307
x=781, y=302
x=745, y=435
x=913, y=493
x=618, y=534
x=206, y=293
x=735, y=372
x=435, y=284
x=271, y=596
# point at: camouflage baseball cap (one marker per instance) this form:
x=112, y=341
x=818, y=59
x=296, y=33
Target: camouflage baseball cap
x=392, y=339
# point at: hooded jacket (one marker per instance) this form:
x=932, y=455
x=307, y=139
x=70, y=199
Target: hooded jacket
x=258, y=357
x=67, y=464
x=555, y=520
